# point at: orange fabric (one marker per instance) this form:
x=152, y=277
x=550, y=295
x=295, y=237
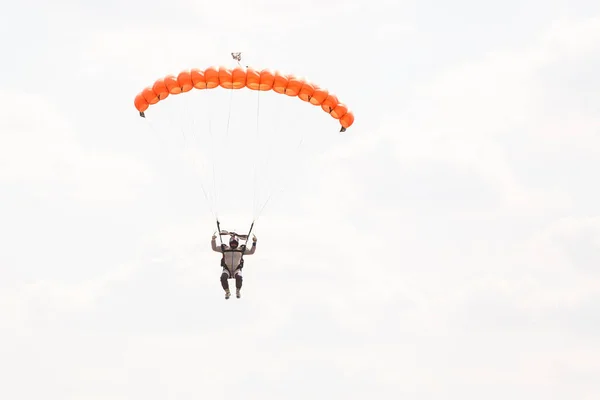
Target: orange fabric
x=211, y=75
x=172, y=85
x=238, y=78
x=294, y=85
x=198, y=80
x=280, y=82
x=184, y=80
x=306, y=91
x=160, y=89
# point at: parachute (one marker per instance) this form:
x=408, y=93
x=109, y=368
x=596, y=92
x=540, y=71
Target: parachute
x=239, y=78
x=235, y=79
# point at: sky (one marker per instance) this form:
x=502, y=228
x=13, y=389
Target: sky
x=445, y=247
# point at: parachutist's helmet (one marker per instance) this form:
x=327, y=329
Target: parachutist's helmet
x=233, y=242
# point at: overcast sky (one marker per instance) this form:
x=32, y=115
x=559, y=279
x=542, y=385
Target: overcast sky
x=447, y=246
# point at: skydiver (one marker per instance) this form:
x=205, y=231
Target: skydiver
x=232, y=262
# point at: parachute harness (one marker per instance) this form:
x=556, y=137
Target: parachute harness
x=234, y=235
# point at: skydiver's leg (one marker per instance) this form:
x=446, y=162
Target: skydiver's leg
x=225, y=283
x=238, y=283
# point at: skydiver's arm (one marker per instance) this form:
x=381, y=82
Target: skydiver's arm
x=252, y=249
x=213, y=243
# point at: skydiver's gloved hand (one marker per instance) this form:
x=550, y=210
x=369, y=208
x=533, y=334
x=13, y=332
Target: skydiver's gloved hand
x=214, y=237
x=254, y=239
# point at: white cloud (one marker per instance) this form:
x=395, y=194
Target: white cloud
x=387, y=267
x=41, y=149
x=477, y=115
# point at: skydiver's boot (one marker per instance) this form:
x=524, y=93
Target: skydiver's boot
x=227, y=294
x=237, y=293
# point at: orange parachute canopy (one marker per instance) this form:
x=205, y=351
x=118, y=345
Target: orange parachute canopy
x=239, y=78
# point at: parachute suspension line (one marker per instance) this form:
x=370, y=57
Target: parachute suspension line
x=220, y=238
x=151, y=125
x=219, y=230
x=193, y=128
x=182, y=127
x=229, y=113
x=212, y=156
x=164, y=146
x=160, y=138
x=279, y=181
x=206, y=197
x=254, y=206
x=245, y=243
x=267, y=162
